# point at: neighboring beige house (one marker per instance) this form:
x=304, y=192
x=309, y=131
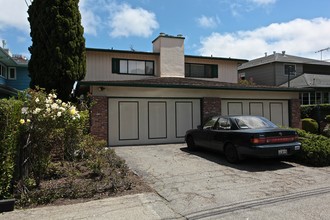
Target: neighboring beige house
x=155, y=97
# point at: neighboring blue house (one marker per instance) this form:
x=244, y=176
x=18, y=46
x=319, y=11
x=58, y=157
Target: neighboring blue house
x=14, y=74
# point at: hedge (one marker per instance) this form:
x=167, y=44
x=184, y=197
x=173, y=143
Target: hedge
x=10, y=111
x=315, y=149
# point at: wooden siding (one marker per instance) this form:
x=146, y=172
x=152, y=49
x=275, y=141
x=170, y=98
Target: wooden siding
x=261, y=75
x=227, y=70
x=281, y=78
x=22, y=80
x=99, y=65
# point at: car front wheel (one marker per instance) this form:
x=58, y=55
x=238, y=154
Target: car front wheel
x=191, y=143
x=231, y=153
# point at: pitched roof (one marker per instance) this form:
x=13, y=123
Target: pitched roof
x=9, y=60
x=308, y=80
x=281, y=57
x=176, y=82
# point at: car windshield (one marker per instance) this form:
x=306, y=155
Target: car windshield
x=252, y=122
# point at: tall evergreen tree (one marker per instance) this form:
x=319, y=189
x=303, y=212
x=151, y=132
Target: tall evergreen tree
x=58, y=54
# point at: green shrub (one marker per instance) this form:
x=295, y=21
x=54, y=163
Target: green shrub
x=317, y=112
x=315, y=149
x=9, y=137
x=310, y=125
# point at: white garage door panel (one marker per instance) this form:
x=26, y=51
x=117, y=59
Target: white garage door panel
x=157, y=124
x=276, y=115
x=235, y=108
x=128, y=120
x=256, y=108
x=151, y=121
x=183, y=118
x=275, y=110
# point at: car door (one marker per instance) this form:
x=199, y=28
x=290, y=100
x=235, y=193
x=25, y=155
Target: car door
x=206, y=133
x=221, y=132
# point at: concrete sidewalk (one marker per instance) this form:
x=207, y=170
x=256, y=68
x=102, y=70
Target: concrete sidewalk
x=138, y=206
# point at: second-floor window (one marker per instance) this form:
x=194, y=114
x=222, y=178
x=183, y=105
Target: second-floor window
x=290, y=69
x=135, y=67
x=201, y=70
x=3, y=71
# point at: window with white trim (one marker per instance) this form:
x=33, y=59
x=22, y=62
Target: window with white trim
x=12, y=73
x=3, y=71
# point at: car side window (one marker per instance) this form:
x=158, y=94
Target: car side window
x=210, y=123
x=224, y=124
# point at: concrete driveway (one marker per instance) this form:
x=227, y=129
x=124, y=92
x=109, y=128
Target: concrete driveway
x=203, y=185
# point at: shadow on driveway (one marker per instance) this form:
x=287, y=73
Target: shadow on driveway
x=249, y=164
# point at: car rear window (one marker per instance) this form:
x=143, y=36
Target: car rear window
x=250, y=122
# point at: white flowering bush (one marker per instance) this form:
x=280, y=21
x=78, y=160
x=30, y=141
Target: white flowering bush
x=50, y=127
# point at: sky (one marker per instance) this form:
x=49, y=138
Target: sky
x=243, y=29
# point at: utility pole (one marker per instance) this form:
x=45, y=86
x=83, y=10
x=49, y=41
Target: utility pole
x=321, y=51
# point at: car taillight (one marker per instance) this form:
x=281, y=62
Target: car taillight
x=272, y=140
x=258, y=140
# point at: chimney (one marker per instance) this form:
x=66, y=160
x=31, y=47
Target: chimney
x=171, y=50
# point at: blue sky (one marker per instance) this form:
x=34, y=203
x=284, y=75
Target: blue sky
x=244, y=29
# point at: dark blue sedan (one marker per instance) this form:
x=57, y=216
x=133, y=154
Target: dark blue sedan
x=241, y=136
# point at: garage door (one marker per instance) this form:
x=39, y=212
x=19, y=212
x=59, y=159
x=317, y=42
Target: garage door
x=274, y=110
x=151, y=121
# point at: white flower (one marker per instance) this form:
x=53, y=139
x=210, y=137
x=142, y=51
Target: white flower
x=28, y=120
x=48, y=110
x=61, y=109
x=59, y=101
x=37, y=100
x=25, y=110
x=36, y=111
x=22, y=121
x=49, y=101
x=54, y=106
x=59, y=114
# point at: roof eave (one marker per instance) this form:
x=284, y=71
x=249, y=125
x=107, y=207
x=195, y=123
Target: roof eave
x=279, y=89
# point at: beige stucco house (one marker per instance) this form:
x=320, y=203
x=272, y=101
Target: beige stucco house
x=155, y=97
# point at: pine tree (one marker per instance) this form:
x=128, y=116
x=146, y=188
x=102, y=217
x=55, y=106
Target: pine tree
x=58, y=54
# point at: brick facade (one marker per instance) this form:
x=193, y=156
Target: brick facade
x=294, y=116
x=211, y=106
x=99, y=117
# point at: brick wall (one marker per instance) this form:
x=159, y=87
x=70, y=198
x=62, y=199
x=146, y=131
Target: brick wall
x=211, y=106
x=99, y=117
x=295, y=121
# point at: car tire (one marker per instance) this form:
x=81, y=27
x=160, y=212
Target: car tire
x=191, y=143
x=231, y=153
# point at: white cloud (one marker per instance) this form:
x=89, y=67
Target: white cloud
x=263, y=2
x=14, y=15
x=127, y=21
x=297, y=37
x=89, y=18
x=208, y=22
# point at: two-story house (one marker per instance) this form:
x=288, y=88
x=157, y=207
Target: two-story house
x=14, y=73
x=155, y=97
x=281, y=69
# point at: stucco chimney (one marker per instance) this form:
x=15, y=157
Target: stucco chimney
x=171, y=49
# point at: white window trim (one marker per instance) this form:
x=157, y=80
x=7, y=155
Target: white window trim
x=9, y=69
x=4, y=73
